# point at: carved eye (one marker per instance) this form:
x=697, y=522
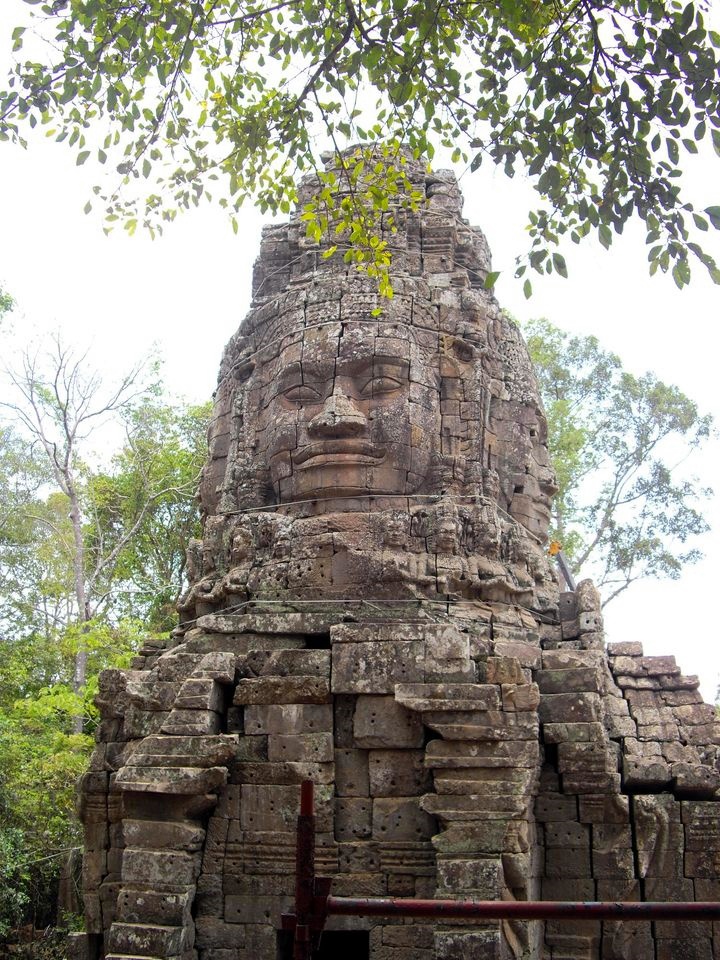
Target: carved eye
x=378, y=385
x=301, y=393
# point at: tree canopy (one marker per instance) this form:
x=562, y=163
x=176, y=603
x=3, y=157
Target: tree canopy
x=92, y=560
x=625, y=508
x=597, y=102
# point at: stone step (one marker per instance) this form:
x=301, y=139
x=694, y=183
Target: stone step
x=146, y=940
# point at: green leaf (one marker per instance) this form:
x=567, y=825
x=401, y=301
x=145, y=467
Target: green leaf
x=714, y=214
x=605, y=235
x=716, y=141
x=559, y=264
x=527, y=288
x=82, y=157
x=490, y=280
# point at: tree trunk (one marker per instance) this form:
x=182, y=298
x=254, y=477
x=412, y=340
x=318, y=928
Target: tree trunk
x=80, y=596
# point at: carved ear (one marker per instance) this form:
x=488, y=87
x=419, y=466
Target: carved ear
x=242, y=368
x=456, y=354
x=464, y=351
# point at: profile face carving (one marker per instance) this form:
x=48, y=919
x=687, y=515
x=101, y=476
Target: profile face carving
x=347, y=411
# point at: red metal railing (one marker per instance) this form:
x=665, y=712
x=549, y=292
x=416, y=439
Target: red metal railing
x=313, y=902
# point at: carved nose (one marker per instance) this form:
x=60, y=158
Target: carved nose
x=339, y=417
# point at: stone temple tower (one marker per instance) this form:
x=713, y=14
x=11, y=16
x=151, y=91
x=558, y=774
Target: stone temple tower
x=371, y=606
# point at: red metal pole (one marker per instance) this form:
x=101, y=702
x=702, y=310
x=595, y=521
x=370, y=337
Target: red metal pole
x=521, y=909
x=305, y=873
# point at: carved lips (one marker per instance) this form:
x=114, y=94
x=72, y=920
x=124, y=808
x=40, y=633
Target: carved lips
x=338, y=452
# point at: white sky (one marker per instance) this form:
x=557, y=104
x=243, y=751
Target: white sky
x=188, y=291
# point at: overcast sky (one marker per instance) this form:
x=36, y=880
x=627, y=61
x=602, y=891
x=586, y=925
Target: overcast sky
x=188, y=291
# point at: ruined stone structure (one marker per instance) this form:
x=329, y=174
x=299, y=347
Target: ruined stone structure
x=371, y=606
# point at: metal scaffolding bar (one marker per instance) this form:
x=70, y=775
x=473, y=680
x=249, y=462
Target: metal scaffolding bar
x=313, y=902
x=520, y=909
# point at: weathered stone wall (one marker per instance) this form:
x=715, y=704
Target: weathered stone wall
x=371, y=606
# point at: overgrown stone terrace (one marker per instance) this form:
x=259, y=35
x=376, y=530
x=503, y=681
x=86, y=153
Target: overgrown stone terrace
x=371, y=606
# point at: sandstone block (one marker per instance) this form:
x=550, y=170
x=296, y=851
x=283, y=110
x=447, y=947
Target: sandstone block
x=138, y=723
x=587, y=597
x=570, y=708
x=645, y=773
x=361, y=857
x=471, y=753
x=580, y=679
x=695, y=713
x=570, y=659
x=448, y=696
x=155, y=868
x=566, y=862
x=201, y=693
x=277, y=690
x=171, y=780
x=575, y=889
x=489, y=725
x=249, y=908
x=420, y=937
x=284, y=663
x=504, y=670
x=702, y=825
x=307, y=747
x=148, y=906
x=527, y=654
x=483, y=879
x=212, y=933
x=376, y=668
x=618, y=727
x=685, y=949
x=679, y=682
x=566, y=833
x=520, y=696
x=397, y=819
x=695, y=780
x=274, y=808
x=576, y=758
x=493, y=837
x=555, y=807
x=398, y=773
x=590, y=622
x=218, y=666
x=702, y=734
x=184, y=751
x=146, y=940
x=474, y=945
x=282, y=773
x=572, y=732
x=182, y=723
x=209, y=897
x=382, y=722
x=351, y=773
x=625, y=648
x=288, y=718
x=153, y=834
x=473, y=807
x=660, y=666
x=353, y=819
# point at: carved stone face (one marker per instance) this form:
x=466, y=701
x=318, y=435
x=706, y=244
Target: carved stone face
x=447, y=535
x=395, y=534
x=533, y=479
x=348, y=411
